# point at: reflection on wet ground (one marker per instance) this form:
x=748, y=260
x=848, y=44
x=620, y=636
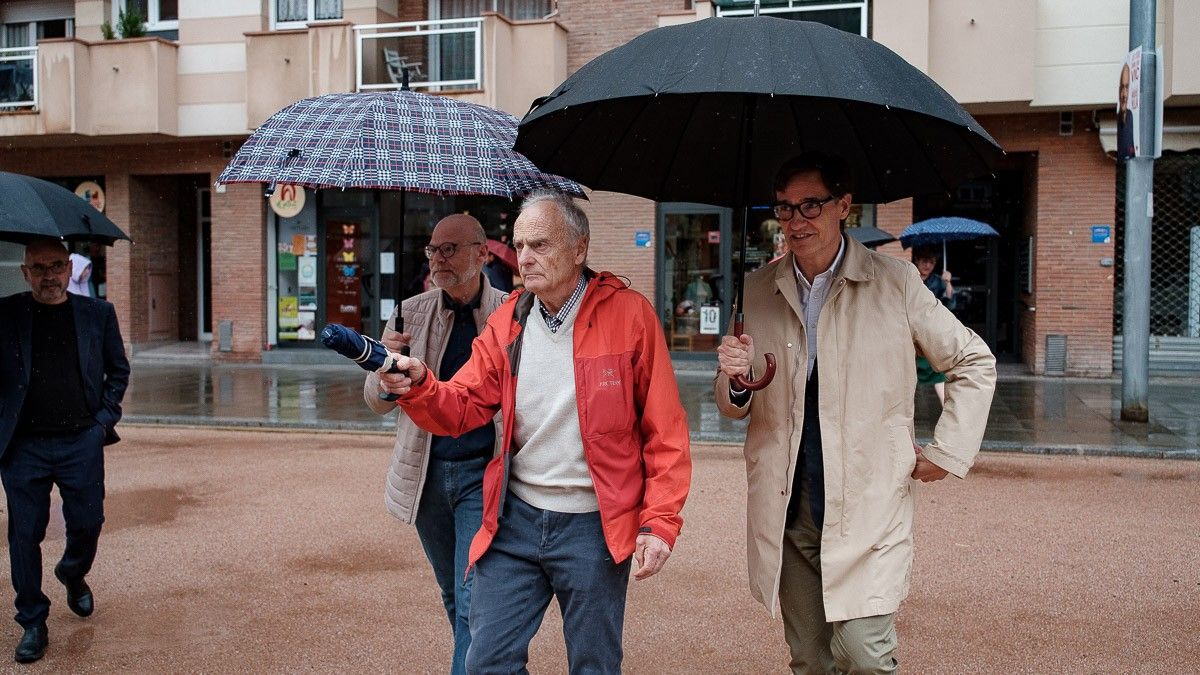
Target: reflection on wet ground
x=1040, y=414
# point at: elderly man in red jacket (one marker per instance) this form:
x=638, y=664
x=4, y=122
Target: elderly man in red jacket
x=595, y=462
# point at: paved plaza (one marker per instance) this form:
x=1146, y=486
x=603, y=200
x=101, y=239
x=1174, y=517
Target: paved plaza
x=257, y=551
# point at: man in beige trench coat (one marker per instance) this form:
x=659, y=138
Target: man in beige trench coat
x=829, y=451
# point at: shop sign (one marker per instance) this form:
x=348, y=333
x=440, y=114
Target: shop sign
x=288, y=200
x=90, y=192
x=710, y=319
x=1101, y=234
x=642, y=239
x=714, y=236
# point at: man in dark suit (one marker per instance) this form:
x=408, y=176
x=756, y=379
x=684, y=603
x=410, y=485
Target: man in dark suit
x=63, y=373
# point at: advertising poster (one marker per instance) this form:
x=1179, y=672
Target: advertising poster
x=343, y=285
x=1129, y=95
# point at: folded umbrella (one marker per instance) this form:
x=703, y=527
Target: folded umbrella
x=370, y=354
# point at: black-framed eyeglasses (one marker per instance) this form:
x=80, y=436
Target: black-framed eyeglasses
x=57, y=267
x=809, y=208
x=448, y=249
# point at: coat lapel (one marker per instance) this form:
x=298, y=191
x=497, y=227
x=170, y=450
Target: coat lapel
x=785, y=285
x=25, y=335
x=82, y=332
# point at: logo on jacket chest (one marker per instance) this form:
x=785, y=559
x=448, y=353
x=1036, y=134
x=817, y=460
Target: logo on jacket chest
x=608, y=378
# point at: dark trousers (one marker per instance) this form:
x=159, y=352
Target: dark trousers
x=538, y=555
x=31, y=466
x=448, y=517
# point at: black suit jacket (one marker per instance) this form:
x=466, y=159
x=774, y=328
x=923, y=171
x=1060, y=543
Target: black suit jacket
x=102, y=363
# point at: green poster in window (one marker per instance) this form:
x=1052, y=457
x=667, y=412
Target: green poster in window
x=287, y=261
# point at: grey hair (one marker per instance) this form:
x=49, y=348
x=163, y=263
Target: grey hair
x=573, y=216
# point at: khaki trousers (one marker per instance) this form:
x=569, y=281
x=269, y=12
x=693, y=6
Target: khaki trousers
x=865, y=645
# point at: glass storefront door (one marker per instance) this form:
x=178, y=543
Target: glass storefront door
x=693, y=275
x=324, y=269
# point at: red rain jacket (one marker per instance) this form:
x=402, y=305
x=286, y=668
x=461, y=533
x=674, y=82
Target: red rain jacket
x=634, y=429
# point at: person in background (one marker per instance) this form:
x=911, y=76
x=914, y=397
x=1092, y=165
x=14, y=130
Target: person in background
x=926, y=260
x=63, y=373
x=81, y=273
x=436, y=482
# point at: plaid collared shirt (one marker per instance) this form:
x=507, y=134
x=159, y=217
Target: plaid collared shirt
x=553, y=322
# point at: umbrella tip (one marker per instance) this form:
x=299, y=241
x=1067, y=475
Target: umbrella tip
x=404, y=80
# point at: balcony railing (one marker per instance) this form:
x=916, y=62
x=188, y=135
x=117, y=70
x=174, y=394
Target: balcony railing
x=442, y=55
x=18, y=77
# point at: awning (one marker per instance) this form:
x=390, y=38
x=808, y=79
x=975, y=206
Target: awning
x=1175, y=138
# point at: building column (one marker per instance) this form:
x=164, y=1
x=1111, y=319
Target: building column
x=119, y=258
x=239, y=292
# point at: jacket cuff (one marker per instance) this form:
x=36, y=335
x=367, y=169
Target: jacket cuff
x=945, y=460
x=658, y=528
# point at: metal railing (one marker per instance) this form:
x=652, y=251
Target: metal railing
x=439, y=55
x=18, y=77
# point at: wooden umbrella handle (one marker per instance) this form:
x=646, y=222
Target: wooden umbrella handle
x=753, y=385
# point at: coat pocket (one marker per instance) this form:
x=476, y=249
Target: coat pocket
x=604, y=388
x=904, y=457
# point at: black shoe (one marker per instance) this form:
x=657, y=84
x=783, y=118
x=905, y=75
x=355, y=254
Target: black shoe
x=33, y=644
x=79, y=595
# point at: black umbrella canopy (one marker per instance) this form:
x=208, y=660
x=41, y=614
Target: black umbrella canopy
x=676, y=112
x=31, y=208
x=870, y=236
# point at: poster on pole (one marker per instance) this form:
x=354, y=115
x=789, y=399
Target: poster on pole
x=1129, y=94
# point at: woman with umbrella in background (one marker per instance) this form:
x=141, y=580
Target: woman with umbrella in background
x=926, y=260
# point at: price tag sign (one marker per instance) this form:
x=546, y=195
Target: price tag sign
x=710, y=319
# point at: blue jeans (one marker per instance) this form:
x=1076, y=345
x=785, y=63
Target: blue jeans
x=31, y=466
x=448, y=517
x=537, y=555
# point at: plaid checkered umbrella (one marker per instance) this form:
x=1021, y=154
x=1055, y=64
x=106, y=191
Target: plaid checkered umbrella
x=395, y=140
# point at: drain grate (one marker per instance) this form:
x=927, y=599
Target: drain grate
x=1056, y=354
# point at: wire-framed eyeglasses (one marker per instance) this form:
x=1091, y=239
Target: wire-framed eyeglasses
x=56, y=267
x=809, y=208
x=448, y=249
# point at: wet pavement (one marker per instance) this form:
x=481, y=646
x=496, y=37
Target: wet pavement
x=1038, y=415
x=270, y=551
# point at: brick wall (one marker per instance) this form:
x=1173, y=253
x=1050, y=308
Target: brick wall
x=153, y=225
x=239, y=261
x=1073, y=294
x=594, y=28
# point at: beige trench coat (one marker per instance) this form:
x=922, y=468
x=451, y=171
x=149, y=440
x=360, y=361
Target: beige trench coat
x=429, y=322
x=878, y=315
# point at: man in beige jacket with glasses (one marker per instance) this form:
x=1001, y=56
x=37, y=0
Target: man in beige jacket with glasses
x=830, y=456
x=436, y=482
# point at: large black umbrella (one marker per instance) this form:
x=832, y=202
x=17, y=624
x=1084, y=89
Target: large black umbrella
x=707, y=111
x=32, y=208
x=870, y=236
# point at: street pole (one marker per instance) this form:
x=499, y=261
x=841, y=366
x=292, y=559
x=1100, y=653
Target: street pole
x=1139, y=209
